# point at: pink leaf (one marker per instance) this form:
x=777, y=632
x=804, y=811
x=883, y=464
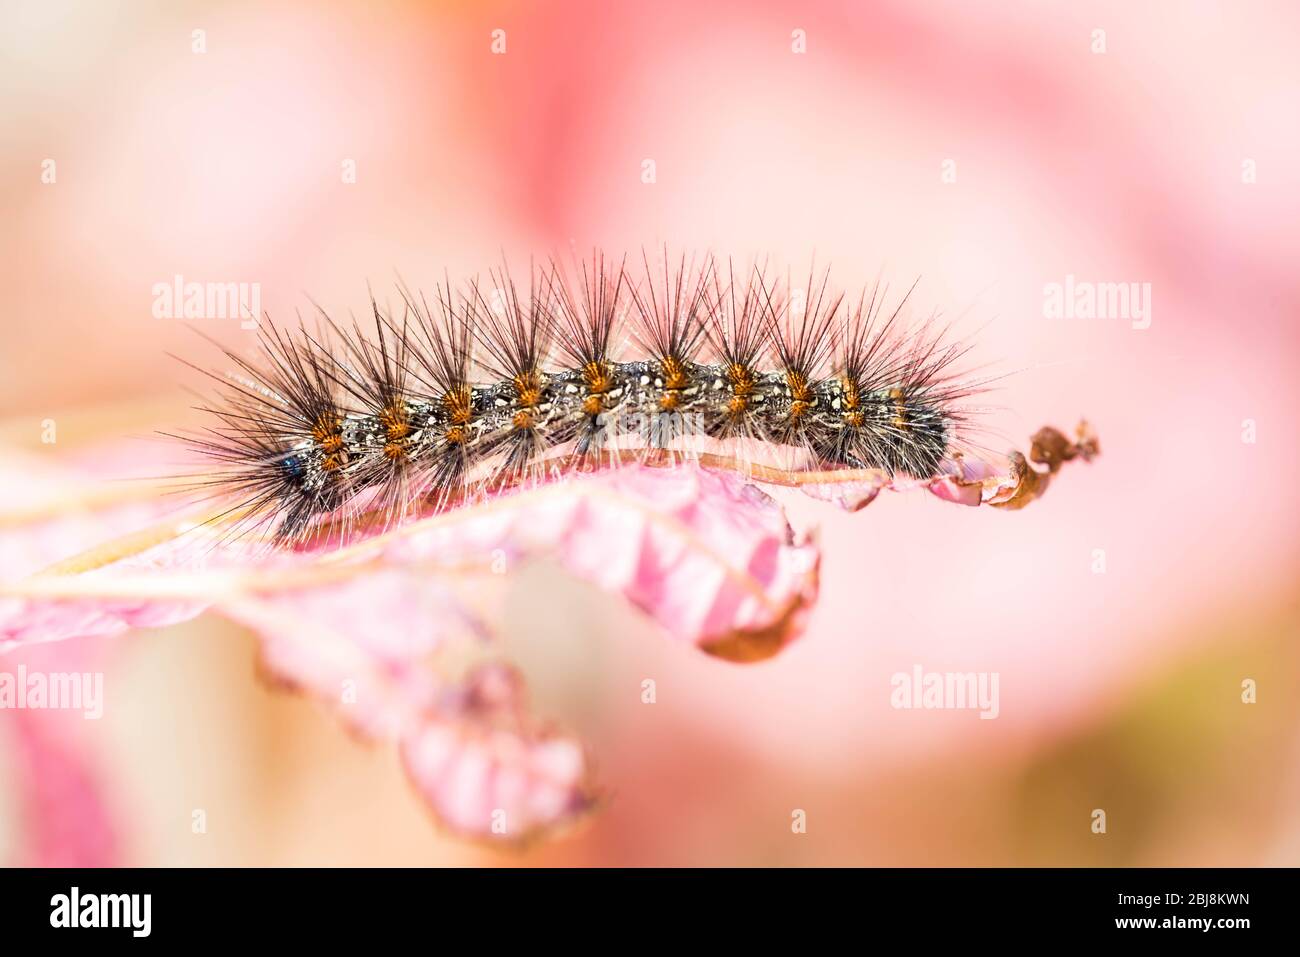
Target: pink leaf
x=363, y=628
x=500, y=767
x=374, y=629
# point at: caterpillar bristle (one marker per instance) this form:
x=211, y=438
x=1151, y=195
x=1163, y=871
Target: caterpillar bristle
x=375, y=376
x=800, y=331
x=503, y=383
x=667, y=328
x=280, y=447
x=582, y=328
x=735, y=329
x=514, y=332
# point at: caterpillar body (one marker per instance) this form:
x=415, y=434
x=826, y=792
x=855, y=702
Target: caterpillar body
x=482, y=387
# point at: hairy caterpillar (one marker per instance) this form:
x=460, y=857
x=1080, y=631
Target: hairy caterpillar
x=495, y=384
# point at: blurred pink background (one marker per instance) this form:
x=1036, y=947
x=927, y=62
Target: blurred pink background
x=988, y=148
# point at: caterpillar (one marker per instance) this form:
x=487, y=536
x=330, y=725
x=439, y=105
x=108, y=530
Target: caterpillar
x=493, y=383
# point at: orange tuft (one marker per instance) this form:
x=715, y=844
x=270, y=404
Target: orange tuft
x=597, y=377
x=328, y=433
x=458, y=404
x=393, y=419
x=674, y=373
x=528, y=389
x=849, y=393
x=740, y=378
x=798, y=385
x=900, y=409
